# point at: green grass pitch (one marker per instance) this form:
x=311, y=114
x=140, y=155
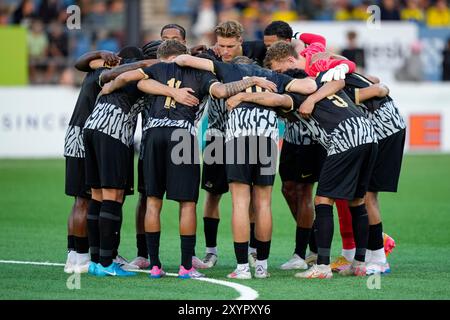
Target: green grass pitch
x=34, y=210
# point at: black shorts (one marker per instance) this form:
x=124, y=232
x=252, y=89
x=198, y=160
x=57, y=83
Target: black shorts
x=76, y=178
x=301, y=163
x=109, y=163
x=164, y=174
x=251, y=160
x=346, y=175
x=386, y=171
x=214, y=175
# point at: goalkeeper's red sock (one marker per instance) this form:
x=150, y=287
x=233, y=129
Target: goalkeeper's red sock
x=345, y=225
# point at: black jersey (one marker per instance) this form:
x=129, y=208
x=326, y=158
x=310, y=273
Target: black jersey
x=250, y=119
x=165, y=111
x=115, y=114
x=336, y=122
x=383, y=113
x=90, y=88
x=255, y=50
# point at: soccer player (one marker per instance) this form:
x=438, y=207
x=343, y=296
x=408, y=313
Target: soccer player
x=277, y=31
x=78, y=246
x=141, y=261
x=390, y=129
x=255, y=130
x=351, y=145
x=230, y=44
x=108, y=139
x=173, y=31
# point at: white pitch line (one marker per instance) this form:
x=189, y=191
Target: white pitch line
x=33, y=263
x=245, y=293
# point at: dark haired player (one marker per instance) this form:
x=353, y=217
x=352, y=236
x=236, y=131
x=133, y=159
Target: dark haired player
x=277, y=31
x=108, y=139
x=78, y=246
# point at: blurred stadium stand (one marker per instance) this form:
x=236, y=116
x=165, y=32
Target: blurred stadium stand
x=52, y=48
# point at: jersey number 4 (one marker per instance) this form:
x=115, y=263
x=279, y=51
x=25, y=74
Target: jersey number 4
x=170, y=102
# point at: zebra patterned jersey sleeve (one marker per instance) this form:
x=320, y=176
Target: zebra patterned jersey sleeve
x=217, y=117
x=337, y=124
x=297, y=133
x=112, y=120
x=73, y=142
x=382, y=112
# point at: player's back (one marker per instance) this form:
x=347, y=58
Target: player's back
x=175, y=76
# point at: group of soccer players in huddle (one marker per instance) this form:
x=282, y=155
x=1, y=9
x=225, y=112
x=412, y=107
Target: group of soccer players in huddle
x=342, y=130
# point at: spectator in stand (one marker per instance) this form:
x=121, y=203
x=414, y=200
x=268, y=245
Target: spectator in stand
x=206, y=21
x=115, y=19
x=106, y=41
x=24, y=13
x=49, y=10
x=354, y=53
x=57, y=51
x=284, y=11
x=446, y=62
x=438, y=15
x=250, y=19
x=312, y=10
x=389, y=10
x=359, y=12
x=342, y=10
x=96, y=18
x=4, y=15
x=37, y=49
x=228, y=11
x=412, y=68
x=412, y=12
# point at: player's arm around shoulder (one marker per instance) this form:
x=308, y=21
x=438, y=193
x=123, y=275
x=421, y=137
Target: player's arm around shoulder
x=302, y=86
x=111, y=74
x=377, y=90
x=123, y=79
x=328, y=89
x=186, y=60
x=184, y=96
x=267, y=99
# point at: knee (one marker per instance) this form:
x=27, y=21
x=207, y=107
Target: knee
x=288, y=190
x=81, y=206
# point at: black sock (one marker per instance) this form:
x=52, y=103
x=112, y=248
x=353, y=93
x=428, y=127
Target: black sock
x=152, y=239
x=252, y=236
x=109, y=225
x=210, y=227
x=312, y=239
x=81, y=245
x=375, y=237
x=115, y=251
x=241, y=252
x=93, y=230
x=360, y=224
x=141, y=246
x=262, y=249
x=324, y=232
x=187, y=248
x=70, y=243
x=302, y=236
